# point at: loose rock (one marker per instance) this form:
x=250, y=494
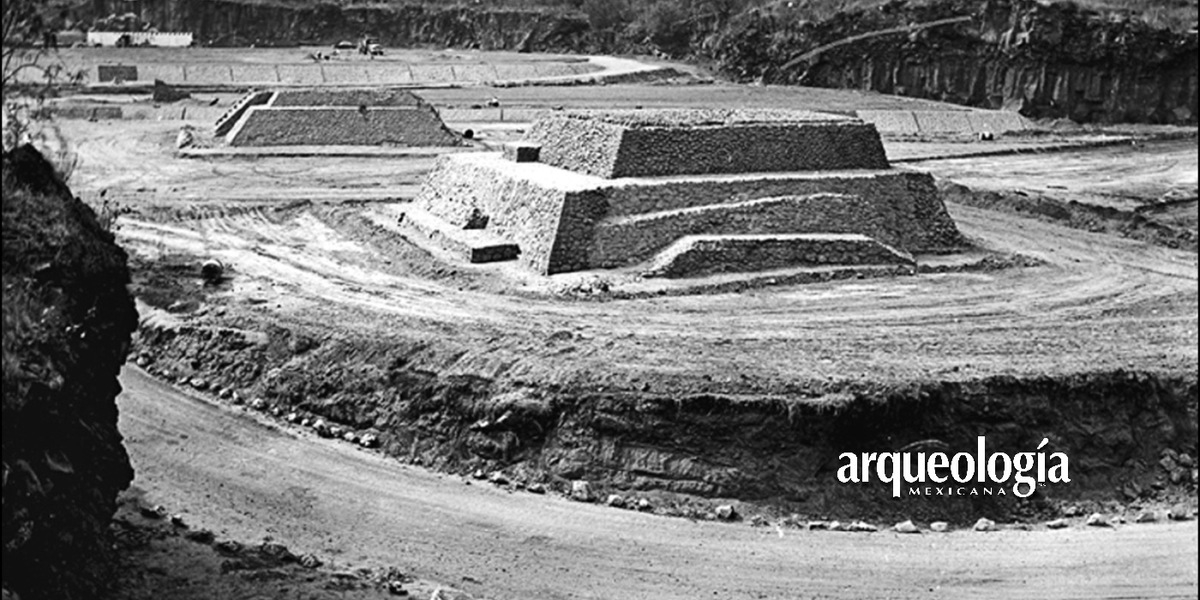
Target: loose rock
x=906, y=527
x=939, y=527
x=1146, y=517
x=536, y=488
x=1179, y=512
x=615, y=501
x=1058, y=524
x=862, y=527
x=726, y=512
x=581, y=491
x=985, y=525
x=1098, y=520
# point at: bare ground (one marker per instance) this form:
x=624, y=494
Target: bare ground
x=246, y=479
x=303, y=256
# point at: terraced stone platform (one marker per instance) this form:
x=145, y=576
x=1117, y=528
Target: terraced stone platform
x=617, y=144
x=335, y=117
x=828, y=177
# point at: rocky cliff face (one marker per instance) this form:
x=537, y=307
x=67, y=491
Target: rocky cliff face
x=1045, y=60
x=67, y=324
x=240, y=23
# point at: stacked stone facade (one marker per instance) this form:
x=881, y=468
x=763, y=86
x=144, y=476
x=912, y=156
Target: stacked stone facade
x=324, y=117
x=797, y=174
x=664, y=143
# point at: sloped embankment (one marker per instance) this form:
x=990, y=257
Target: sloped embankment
x=67, y=323
x=779, y=452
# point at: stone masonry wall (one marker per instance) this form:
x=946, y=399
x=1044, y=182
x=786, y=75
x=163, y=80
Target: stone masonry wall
x=566, y=222
x=230, y=119
x=347, y=97
x=271, y=126
x=634, y=239
x=749, y=149
x=923, y=224
x=704, y=255
x=579, y=145
x=518, y=209
x=663, y=143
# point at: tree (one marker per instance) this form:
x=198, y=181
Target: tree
x=33, y=71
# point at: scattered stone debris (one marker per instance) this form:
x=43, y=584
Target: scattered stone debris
x=985, y=524
x=726, y=512
x=310, y=561
x=369, y=440
x=536, y=488
x=1098, y=520
x=157, y=512
x=1146, y=517
x=1058, y=524
x=201, y=536
x=939, y=527
x=581, y=491
x=644, y=505
x=448, y=594
x=906, y=527
x=212, y=271
x=498, y=478
x=818, y=525
x=177, y=520
x=396, y=588
x=862, y=527
x=1179, y=512
x=615, y=501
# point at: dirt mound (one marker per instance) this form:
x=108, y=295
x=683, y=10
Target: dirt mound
x=67, y=322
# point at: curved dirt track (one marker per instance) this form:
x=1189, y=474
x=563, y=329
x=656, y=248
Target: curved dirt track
x=1100, y=302
x=247, y=478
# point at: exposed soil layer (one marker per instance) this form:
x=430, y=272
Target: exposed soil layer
x=1046, y=60
x=778, y=449
x=67, y=322
x=245, y=476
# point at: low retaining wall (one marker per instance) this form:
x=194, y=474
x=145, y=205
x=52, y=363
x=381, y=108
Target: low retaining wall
x=694, y=256
x=141, y=38
x=336, y=126
x=346, y=98
x=633, y=239
x=944, y=122
x=230, y=119
x=660, y=143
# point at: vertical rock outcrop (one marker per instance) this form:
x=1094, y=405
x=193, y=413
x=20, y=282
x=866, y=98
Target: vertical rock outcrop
x=1045, y=60
x=68, y=318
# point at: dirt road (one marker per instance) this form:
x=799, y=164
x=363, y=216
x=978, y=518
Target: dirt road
x=247, y=478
